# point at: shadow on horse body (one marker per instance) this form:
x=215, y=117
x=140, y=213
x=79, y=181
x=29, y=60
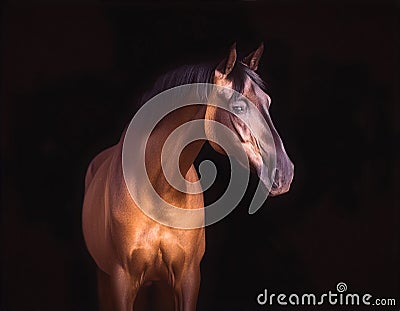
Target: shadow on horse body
x=135, y=254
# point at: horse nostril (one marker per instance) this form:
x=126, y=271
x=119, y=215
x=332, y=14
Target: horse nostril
x=276, y=182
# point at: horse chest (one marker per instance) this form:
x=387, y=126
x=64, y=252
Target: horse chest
x=159, y=254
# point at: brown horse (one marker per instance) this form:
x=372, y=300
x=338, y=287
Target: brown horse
x=132, y=250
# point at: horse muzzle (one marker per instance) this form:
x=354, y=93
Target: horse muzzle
x=282, y=179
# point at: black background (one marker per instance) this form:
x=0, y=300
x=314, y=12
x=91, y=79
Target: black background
x=70, y=76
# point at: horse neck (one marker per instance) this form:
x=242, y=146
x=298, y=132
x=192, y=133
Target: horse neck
x=186, y=158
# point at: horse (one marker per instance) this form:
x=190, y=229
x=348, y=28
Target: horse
x=131, y=250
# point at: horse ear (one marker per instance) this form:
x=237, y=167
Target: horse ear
x=253, y=58
x=225, y=67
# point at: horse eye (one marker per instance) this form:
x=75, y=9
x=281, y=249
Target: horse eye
x=239, y=108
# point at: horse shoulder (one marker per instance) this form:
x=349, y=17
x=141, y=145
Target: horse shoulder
x=95, y=214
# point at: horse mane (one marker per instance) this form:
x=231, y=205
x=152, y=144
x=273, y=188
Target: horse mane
x=201, y=73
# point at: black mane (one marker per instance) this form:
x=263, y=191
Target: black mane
x=201, y=73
